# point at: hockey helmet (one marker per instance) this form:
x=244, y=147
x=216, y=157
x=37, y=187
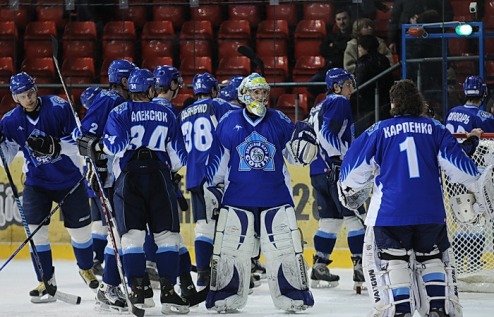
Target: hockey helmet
x=118, y=69
x=166, y=74
x=338, y=76
x=140, y=80
x=230, y=91
x=253, y=92
x=20, y=83
x=88, y=95
x=204, y=84
x=474, y=86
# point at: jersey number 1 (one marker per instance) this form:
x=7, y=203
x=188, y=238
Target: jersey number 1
x=409, y=147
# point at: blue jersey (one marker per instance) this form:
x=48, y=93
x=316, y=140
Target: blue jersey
x=463, y=119
x=198, y=123
x=56, y=118
x=133, y=125
x=404, y=155
x=332, y=120
x=248, y=157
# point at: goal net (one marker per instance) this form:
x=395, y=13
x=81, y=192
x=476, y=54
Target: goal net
x=472, y=244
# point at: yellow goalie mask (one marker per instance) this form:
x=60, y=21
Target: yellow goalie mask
x=253, y=92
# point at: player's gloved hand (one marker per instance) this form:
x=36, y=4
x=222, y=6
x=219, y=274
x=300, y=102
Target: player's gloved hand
x=182, y=202
x=89, y=146
x=101, y=169
x=44, y=145
x=334, y=169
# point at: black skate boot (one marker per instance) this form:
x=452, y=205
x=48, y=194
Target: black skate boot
x=358, y=274
x=320, y=276
x=137, y=294
x=203, y=277
x=148, y=292
x=258, y=268
x=40, y=295
x=187, y=287
x=98, y=268
x=111, y=298
x=171, y=303
x=437, y=312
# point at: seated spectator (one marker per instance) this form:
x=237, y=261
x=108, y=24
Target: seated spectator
x=363, y=26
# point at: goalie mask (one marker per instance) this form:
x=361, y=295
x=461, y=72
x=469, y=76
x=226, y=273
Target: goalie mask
x=253, y=92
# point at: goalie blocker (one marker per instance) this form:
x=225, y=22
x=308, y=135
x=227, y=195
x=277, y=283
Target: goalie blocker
x=303, y=143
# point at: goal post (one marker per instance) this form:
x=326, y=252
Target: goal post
x=472, y=244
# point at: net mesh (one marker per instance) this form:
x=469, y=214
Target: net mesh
x=472, y=244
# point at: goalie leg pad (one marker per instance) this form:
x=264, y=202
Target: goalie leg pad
x=230, y=264
x=388, y=277
x=281, y=244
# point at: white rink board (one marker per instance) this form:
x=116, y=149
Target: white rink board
x=18, y=277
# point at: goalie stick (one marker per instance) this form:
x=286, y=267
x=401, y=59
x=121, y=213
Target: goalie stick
x=249, y=53
x=28, y=239
x=107, y=209
x=50, y=289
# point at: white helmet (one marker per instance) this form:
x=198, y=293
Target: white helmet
x=253, y=92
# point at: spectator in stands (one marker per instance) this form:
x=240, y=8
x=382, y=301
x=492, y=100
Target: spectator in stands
x=369, y=64
x=406, y=11
x=362, y=26
x=333, y=48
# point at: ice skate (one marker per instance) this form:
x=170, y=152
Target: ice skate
x=258, y=268
x=152, y=272
x=171, y=303
x=97, y=268
x=148, y=292
x=111, y=298
x=358, y=275
x=187, y=287
x=437, y=312
x=141, y=295
x=39, y=295
x=203, y=277
x=320, y=277
x=89, y=278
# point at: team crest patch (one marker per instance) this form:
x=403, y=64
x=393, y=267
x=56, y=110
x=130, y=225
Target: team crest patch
x=256, y=153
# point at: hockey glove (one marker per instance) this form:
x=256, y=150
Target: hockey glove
x=44, y=145
x=334, y=169
x=89, y=146
x=101, y=169
x=182, y=202
x=303, y=143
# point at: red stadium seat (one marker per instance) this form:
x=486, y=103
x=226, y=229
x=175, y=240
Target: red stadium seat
x=179, y=100
x=41, y=68
x=305, y=67
x=8, y=38
x=308, y=36
x=79, y=67
x=37, y=38
x=6, y=104
x=178, y=14
x=51, y=10
x=231, y=35
x=212, y=13
x=320, y=98
x=249, y=12
x=233, y=66
x=7, y=69
x=488, y=14
x=20, y=16
x=289, y=102
x=157, y=39
x=286, y=11
x=272, y=38
x=79, y=39
x=118, y=39
x=154, y=61
x=136, y=12
x=319, y=11
x=381, y=22
x=276, y=65
x=191, y=66
x=195, y=38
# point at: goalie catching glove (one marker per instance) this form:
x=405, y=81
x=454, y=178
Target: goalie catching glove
x=303, y=143
x=352, y=199
x=42, y=144
x=483, y=191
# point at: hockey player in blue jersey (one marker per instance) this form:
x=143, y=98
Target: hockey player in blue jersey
x=198, y=122
x=248, y=156
x=408, y=263
x=109, y=295
x=463, y=119
x=333, y=122
x=145, y=139
x=41, y=126
x=230, y=91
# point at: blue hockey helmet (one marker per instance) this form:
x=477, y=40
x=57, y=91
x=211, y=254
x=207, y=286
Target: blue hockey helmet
x=88, y=95
x=474, y=86
x=20, y=83
x=166, y=74
x=338, y=76
x=140, y=80
x=204, y=84
x=118, y=69
x=230, y=91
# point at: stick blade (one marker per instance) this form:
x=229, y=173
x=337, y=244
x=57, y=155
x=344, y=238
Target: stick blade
x=54, y=46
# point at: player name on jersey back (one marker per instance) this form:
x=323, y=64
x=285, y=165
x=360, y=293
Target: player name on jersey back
x=405, y=127
x=149, y=115
x=194, y=109
x=459, y=117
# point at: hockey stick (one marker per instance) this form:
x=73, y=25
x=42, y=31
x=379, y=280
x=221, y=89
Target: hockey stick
x=23, y=244
x=249, y=53
x=105, y=202
x=50, y=289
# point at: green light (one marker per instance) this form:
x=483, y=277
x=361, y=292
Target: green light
x=464, y=29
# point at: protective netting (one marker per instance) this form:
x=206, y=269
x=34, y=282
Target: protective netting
x=472, y=244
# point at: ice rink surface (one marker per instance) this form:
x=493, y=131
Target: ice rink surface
x=18, y=278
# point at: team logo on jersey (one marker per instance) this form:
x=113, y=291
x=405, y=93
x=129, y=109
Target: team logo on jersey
x=256, y=153
x=237, y=127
